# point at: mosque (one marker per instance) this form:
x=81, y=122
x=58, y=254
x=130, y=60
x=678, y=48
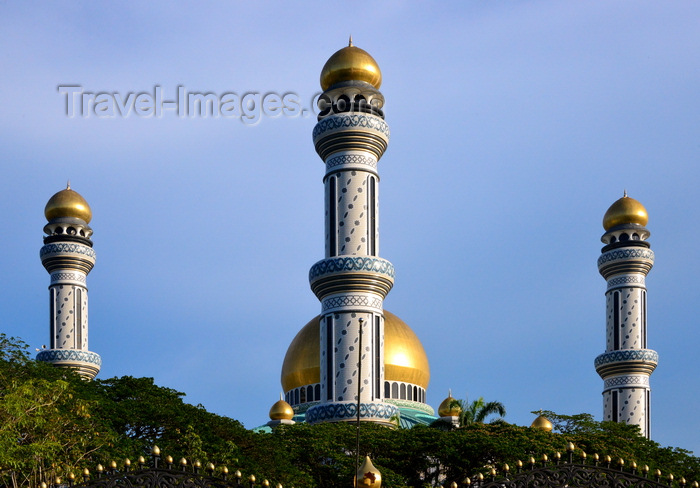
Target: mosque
x=355, y=355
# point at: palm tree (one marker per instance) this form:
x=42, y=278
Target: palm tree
x=477, y=411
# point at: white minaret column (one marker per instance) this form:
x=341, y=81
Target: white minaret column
x=352, y=281
x=68, y=256
x=627, y=363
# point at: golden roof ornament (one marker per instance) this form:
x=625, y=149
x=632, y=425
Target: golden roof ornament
x=626, y=210
x=350, y=64
x=542, y=423
x=449, y=407
x=368, y=476
x=281, y=410
x=68, y=203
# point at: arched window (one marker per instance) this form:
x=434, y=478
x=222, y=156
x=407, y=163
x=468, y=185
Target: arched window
x=387, y=389
x=317, y=392
x=310, y=393
x=403, y=391
x=395, y=390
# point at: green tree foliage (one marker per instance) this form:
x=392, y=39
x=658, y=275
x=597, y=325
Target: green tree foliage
x=478, y=410
x=52, y=423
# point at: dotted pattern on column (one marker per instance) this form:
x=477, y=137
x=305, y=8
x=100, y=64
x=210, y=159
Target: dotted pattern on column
x=65, y=317
x=610, y=327
x=346, y=354
x=352, y=213
x=84, y=317
x=632, y=405
x=607, y=407
x=630, y=313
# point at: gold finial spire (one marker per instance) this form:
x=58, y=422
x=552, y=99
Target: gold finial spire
x=624, y=195
x=67, y=203
x=350, y=64
x=625, y=210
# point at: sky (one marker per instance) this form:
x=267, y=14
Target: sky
x=514, y=125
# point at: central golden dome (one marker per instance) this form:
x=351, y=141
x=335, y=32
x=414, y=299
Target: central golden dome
x=626, y=210
x=404, y=357
x=68, y=203
x=350, y=63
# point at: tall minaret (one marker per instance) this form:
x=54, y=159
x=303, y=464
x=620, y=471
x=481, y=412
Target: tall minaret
x=352, y=281
x=626, y=364
x=68, y=257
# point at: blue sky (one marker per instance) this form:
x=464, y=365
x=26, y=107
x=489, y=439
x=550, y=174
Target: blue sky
x=514, y=126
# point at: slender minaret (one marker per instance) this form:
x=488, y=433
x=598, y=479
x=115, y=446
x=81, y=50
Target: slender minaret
x=352, y=281
x=68, y=257
x=626, y=364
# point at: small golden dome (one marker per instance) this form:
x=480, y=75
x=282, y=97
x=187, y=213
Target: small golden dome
x=542, y=423
x=449, y=407
x=350, y=63
x=68, y=203
x=368, y=475
x=404, y=357
x=281, y=410
x=626, y=210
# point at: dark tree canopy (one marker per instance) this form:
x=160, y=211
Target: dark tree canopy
x=53, y=423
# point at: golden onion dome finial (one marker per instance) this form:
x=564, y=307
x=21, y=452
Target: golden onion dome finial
x=368, y=476
x=626, y=210
x=281, y=410
x=542, y=423
x=350, y=64
x=449, y=406
x=68, y=203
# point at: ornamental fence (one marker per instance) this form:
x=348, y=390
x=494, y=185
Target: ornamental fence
x=558, y=472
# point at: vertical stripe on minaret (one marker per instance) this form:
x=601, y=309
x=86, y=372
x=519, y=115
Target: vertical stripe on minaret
x=626, y=364
x=352, y=281
x=68, y=256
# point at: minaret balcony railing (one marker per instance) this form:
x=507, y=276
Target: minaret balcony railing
x=626, y=361
x=86, y=363
x=351, y=273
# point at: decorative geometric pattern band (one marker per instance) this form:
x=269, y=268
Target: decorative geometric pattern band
x=54, y=355
x=626, y=380
x=627, y=355
x=347, y=300
x=68, y=276
x=626, y=254
x=351, y=159
x=348, y=411
x=335, y=265
x=67, y=247
x=345, y=120
x=625, y=280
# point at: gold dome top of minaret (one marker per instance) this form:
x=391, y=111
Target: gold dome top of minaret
x=626, y=210
x=350, y=63
x=68, y=203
